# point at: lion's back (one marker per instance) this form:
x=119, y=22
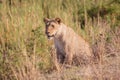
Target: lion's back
x=76, y=42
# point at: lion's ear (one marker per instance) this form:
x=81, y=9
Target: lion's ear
x=58, y=20
x=45, y=20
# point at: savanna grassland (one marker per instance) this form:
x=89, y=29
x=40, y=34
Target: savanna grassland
x=25, y=52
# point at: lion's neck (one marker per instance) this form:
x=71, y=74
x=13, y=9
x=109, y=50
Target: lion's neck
x=61, y=31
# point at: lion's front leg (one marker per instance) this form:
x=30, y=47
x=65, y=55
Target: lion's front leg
x=68, y=58
x=55, y=59
x=69, y=54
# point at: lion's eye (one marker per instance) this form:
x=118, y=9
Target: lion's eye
x=52, y=26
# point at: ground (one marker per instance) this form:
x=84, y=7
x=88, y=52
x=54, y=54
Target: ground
x=107, y=70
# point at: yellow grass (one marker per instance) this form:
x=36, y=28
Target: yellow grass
x=25, y=52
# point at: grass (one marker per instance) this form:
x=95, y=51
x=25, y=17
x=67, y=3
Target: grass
x=25, y=50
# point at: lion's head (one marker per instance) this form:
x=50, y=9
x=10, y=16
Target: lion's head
x=52, y=26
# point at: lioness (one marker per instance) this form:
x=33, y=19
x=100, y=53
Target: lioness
x=70, y=47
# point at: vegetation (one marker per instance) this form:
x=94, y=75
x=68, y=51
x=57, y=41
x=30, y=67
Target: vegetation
x=25, y=52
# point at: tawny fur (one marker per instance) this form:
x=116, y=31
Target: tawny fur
x=70, y=47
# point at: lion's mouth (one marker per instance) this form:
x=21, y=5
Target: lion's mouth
x=50, y=36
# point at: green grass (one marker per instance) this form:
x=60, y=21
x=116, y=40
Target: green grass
x=24, y=48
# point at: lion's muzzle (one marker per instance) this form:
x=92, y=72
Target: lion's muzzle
x=49, y=36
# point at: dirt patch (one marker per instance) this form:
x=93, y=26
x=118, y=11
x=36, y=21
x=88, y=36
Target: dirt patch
x=109, y=70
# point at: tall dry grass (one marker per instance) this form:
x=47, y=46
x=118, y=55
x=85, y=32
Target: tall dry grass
x=25, y=51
